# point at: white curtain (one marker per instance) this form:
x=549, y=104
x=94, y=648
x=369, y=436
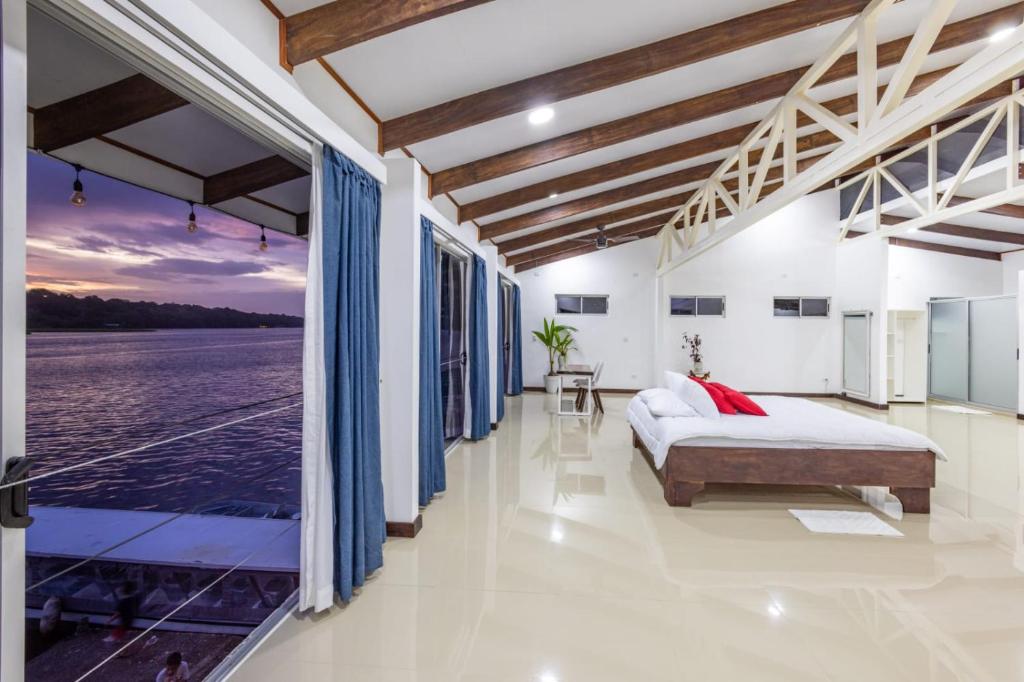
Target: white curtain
x=316, y=564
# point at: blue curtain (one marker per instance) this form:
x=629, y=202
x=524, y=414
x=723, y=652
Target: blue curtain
x=431, y=433
x=499, y=383
x=479, y=359
x=515, y=379
x=351, y=249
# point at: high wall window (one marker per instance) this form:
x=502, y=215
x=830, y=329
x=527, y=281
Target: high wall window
x=800, y=306
x=708, y=306
x=585, y=304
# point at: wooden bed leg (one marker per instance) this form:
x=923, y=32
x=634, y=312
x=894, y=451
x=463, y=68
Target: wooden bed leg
x=681, y=493
x=915, y=500
x=636, y=440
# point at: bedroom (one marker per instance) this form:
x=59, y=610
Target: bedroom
x=642, y=341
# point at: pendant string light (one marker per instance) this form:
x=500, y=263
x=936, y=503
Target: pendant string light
x=191, y=225
x=79, y=199
x=77, y=194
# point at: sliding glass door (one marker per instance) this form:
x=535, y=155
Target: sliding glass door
x=973, y=351
x=993, y=354
x=948, y=341
x=452, y=292
x=506, y=342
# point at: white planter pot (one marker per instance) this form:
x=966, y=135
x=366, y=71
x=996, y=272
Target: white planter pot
x=551, y=383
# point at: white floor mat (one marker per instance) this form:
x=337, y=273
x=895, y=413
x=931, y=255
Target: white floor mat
x=843, y=522
x=959, y=409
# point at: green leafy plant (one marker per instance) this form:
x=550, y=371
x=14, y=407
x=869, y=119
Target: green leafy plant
x=552, y=338
x=565, y=343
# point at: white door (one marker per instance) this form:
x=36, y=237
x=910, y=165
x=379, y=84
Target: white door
x=857, y=353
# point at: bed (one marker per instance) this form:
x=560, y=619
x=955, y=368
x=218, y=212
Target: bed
x=800, y=443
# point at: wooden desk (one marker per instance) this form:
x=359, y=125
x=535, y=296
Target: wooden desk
x=586, y=372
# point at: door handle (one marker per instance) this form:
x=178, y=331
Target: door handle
x=14, y=499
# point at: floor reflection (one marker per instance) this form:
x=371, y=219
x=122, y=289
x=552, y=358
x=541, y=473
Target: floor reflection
x=554, y=556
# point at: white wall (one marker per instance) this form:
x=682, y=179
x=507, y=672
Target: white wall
x=258, y=28
x=915, y=276
x=399, y=340
x=792, y=253
x=1012, y=264
x=622, y=339
x=862, y=279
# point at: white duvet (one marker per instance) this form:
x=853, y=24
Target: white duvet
x=791, y=423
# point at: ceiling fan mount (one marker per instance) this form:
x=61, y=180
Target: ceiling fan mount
x=601, y=241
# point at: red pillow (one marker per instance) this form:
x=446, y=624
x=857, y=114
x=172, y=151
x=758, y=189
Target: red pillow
x=721, y=402
x=741, y=402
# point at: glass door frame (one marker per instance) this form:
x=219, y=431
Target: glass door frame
x=13, y=147
x=442, y=242
x=968, y=401
x=866, y=314
x=506, y=343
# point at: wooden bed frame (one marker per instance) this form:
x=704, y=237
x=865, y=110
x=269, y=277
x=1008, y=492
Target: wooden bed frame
x=910, y=474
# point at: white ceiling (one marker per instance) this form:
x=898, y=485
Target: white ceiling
x=506, y=40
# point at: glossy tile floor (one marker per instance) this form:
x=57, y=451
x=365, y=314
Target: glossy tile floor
x=553, y=558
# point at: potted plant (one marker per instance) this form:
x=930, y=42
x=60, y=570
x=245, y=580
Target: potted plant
x=564, y=344
x=551, y=337
x=691, y=344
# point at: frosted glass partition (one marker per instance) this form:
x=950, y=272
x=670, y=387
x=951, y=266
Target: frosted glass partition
x=948, y=340
x=856, y=353
x=993, y=352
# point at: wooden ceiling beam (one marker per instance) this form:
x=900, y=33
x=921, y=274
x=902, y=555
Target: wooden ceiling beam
x=343, y=23
x=963, y=231
x=624, y=230
x=101, y=111
x=702, y=106
x=582, y=250
x=664, y=207
x=809, y=142
x=251, y=177
x=945, y=248
x=1007, y=210
x=622, y=67
x=719, y=141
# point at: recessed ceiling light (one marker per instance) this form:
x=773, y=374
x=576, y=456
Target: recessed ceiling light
x=1001, y=34
x=548, y=677
x=557, y=535
x=541, y=116
x=553, y=195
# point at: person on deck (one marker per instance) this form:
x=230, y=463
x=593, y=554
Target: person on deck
x=175, y=670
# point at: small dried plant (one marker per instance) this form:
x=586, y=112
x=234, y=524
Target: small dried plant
x=691, y=344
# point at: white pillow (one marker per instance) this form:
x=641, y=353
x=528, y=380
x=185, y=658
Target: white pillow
x=693, y=394
x=647, y=394
x=668, y=404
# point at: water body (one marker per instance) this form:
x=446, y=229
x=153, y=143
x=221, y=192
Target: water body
x=94, y=394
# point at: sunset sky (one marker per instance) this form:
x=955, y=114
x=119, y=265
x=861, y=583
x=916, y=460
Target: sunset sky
x=131, y=243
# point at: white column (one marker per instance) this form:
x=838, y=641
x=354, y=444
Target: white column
x=491, y=257
x=12, y=329
x=400, y=339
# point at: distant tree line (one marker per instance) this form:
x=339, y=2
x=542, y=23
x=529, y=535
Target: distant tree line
x=53, y=310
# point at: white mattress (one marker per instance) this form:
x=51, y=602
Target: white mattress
x=791, y=423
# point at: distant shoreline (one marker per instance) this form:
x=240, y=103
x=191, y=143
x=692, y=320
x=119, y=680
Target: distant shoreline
x=95, y=331
x=67, y=330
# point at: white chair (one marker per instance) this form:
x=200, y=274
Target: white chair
x=581, y=390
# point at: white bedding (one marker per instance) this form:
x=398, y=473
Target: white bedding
x=791, y=423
